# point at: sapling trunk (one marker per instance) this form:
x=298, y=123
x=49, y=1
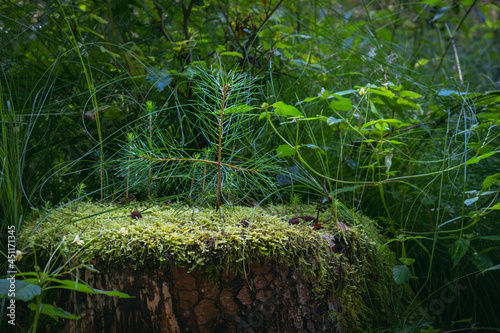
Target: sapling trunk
x=225, y=91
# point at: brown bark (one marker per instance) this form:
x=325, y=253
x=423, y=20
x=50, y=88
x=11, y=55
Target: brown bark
x=173, y=300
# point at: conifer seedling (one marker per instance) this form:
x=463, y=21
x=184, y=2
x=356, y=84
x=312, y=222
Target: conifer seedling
x=218, y=160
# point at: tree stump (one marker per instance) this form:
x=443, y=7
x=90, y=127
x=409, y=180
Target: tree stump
x=171, y=299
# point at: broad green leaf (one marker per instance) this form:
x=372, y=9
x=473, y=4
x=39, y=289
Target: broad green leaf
x=386, y=93
x=373, y=109
x=470, y=201
x=430, y=2
x=446, y=92
x=112, y=112
x=491, y=237
x=309, y=99
x=285, y=150
x=377, y=100
x=299, y=62
x=23, y=291
x=409, y=94
x=493, y=268
x=315, y=147
x=104, y=50
x=401, y=274
x=342, y=93
x=488, y=115
x=332, y=121
x=53, y=312
x=440, y=12
x=407, y=261
x=490, y=180
x=466, y=320
x=282, y=45
x=479, y=158
x=459, y=250
x=264, y=115
x=381, y=121
x=421, y=62
x=404, y=101
x=343, y=104
x=286, y=110
x=489, y=249
x=385, y=33
x=234, y=54
x=483, y=261
x=81, y=287
x=393, y=121
x=496, y=207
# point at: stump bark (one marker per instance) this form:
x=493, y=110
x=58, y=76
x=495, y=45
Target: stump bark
x=267, y=299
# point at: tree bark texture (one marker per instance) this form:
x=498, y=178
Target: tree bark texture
x=268, y=299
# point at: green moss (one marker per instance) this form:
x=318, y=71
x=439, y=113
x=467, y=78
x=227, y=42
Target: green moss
x=356, y=269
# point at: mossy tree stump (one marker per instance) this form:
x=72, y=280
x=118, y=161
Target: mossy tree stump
x=239, y=270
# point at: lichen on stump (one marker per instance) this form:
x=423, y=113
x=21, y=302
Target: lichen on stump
x=238, y=270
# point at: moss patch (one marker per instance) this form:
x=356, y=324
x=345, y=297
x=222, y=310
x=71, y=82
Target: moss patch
x=344, y=258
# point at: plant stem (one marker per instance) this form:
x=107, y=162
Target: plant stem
x=150, y=143
x=451, y=38
x=128, y=180
x=37, y=312
x=225, y=91
x=204, y=175
x=389, y=217
x=197, y=160
x=101, y=173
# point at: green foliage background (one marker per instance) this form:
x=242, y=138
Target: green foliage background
x=397, y=101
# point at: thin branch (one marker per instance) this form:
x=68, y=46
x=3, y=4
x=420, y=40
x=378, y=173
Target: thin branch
x=186, y=12
x=451, y=38
x=456, y=57
x=268, y=16
x=197, y=160
x=162, y=25
x=150, y=140
x=271, y=53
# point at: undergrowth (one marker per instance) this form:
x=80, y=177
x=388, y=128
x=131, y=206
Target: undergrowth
x=390, y=108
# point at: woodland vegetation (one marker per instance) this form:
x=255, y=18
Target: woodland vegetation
x=391, y=108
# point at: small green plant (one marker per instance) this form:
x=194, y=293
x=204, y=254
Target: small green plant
x=34, y=285
x=222, y=162
x=12, y=160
